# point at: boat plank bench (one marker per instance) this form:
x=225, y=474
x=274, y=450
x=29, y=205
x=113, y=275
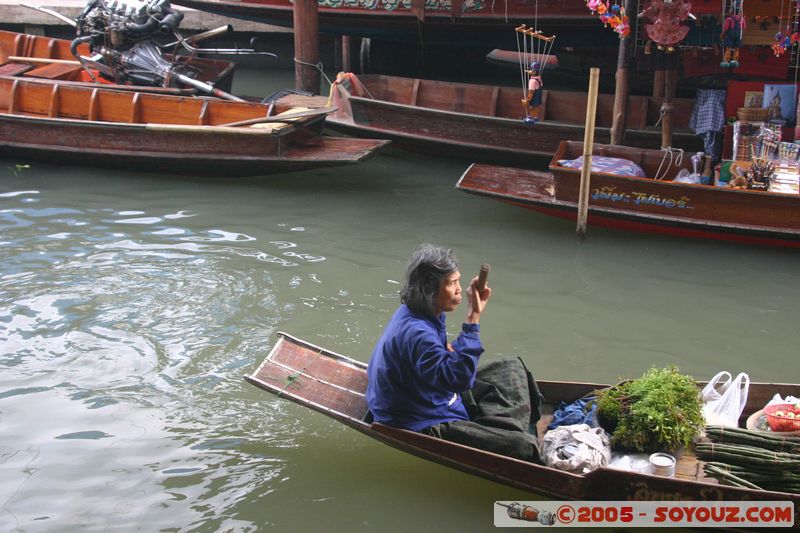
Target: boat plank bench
x=334, y=385
x=56, y=71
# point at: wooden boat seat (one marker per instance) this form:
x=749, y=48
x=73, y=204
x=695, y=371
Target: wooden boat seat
x=14, y=69
x=275, y=126
x=56, y=71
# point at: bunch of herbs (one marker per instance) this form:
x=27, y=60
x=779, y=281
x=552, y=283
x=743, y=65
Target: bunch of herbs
x=662, y=410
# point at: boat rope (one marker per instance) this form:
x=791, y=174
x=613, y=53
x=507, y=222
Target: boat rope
x=672, y=159
x=318, y=66
x=291, y=379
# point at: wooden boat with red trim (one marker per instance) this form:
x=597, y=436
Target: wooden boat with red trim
x=40, y=49
x=483, y=123
x=91, y=125
x=334, y=385
x=441, y=21
x=645, y=204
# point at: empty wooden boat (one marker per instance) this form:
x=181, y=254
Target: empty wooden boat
x=92, y=125
x=484, y=122
x=644, y=203
x=334, y=385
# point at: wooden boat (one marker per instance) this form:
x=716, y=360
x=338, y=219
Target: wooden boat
x=38, y=47
x=446, y=22
x=334, y=385
x=484, y=122
x=91, y=125
x=645, y=204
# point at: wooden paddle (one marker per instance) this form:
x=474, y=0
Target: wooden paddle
x=27, y=59
x=288, y=117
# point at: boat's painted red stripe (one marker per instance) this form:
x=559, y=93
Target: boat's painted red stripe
x=660, y=228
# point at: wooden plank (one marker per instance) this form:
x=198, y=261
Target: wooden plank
x=53, y=108
x=135, y=108
x=543, y=109
x=415, y=93
x=493, y=102
x=14, y=69
x=202, y=118
x=56, y=71
x=12, y=98
x=94, y=105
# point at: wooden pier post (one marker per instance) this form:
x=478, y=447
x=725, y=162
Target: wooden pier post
x=346, y=66
x=658, y=83
x=670, y=81
x=306, y=46
x=620, y=113
x=588, y=145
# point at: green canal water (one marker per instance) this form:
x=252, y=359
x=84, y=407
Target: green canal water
x=132, y=304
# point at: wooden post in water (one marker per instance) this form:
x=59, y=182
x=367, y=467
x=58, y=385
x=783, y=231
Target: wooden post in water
x=346, y=66
x=588, y=144
x=306, y=46
x=620, y=113
x=670, y=80
x=658, y=83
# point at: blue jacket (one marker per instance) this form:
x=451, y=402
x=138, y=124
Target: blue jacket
x=414, y=380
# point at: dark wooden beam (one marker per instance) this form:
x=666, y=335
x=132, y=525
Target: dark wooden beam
x=306, y=46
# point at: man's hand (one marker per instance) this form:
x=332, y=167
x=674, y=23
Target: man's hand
x=477, y=301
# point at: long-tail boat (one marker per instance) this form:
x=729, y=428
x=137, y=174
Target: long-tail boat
x=88, y=124
x=652, y=203
x=484, y=123
x=334, y=385
x=51, y=58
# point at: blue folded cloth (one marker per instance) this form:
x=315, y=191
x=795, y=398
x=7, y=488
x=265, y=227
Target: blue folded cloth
x=583, y=411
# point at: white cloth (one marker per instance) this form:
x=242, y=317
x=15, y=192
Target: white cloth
x=591, y=447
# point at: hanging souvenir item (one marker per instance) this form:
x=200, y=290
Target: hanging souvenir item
x=731, y=37
x=783, y=41
x=612, y=15
x=665, y=22
x=534, y=54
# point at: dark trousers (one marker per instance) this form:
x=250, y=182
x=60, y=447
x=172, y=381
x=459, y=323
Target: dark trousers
x=503, y=406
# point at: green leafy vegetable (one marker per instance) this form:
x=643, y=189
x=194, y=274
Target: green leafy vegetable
x=660, y=410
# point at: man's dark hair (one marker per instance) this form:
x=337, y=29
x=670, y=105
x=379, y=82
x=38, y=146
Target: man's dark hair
x=429, y=265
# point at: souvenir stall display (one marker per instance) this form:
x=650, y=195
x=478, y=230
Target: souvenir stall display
x=750, y=105
x=762, y=161
x=754, y=38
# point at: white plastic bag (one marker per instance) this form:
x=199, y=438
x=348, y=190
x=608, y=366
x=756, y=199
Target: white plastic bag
x=724, y=399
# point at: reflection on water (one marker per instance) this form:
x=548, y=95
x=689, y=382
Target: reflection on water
x=133, y=304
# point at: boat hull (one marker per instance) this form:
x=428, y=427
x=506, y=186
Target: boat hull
x=484, y=123
x=86, y=124
x=644, y=204
x=334, y=385
x=398, y=21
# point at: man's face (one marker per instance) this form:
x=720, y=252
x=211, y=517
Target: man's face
x=449, y=295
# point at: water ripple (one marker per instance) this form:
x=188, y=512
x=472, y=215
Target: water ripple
x=137, y=326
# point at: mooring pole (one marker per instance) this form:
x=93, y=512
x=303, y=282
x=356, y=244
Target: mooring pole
x=671, y=79
x=620, y=113
x=346, y=66
x=588, y=144
x=306, y=46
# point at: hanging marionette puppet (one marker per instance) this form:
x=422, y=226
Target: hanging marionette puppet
x=534, y=54
x=732, y=30
x=665, y=22
x=784, y=41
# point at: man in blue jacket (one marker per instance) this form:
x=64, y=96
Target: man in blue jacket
x=418, y=381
